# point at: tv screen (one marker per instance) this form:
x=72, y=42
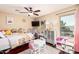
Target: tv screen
x=35, y=23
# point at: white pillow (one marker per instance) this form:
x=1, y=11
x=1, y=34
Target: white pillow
x=2, y=35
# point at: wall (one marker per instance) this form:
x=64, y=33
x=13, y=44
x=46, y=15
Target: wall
x=53, y=21
x=17, y=21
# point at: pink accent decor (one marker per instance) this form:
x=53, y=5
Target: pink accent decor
x=76, y=47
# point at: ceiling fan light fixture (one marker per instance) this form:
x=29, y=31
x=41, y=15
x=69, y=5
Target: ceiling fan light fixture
x=30, y=13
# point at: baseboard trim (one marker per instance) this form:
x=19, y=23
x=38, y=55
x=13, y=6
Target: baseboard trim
x=51, y=44
x=61, y=52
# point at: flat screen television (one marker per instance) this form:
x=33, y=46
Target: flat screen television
x=35, y=23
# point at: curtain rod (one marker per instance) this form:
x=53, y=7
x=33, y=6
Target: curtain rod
x=65, y=11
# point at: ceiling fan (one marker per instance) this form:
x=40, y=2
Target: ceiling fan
x=31, y=11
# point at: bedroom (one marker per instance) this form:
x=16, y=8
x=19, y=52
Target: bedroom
x=17, y=25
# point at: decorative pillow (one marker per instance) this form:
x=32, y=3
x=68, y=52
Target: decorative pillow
x=14, y=30
x=1, y=35
x=8, y=32
x=20, y=30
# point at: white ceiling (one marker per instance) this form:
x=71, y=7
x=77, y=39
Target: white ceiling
x=45, y=8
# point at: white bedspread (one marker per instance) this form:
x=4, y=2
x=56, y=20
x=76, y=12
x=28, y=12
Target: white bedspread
x=16, y=39
x=4, y=44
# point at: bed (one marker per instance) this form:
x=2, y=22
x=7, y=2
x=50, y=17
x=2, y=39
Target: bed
x=14, y=40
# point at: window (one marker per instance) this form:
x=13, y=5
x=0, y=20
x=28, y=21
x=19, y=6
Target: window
x=67, y=25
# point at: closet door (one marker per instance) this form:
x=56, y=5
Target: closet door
x=50, y=37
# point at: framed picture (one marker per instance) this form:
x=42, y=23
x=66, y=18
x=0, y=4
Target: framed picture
x=10, y=20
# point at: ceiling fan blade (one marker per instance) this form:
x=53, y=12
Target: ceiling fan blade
x=26, y=8
x=23, y=12
x=36, y=14
x=37, y=11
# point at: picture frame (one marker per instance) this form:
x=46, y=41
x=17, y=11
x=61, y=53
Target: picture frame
x=9, y=20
